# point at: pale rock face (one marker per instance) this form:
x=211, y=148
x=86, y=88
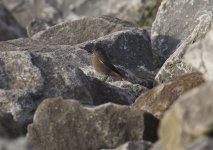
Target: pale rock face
x=200, y=56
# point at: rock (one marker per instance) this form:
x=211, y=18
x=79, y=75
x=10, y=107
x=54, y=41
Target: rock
x=9, y=28
x=8, y=127
x=188, y=119
x=18, y=72
x=82, y=30
x=202, y=143
x=19, y=143
x=160, y=98
x=170, y=32
x=136, y=11
x=134, y=145
x=173, y=35
x=59, y=124
x=20, y=104
x=58, y=73
x=200, y=56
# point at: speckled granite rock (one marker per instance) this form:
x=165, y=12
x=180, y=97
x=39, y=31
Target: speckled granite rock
x=160, y=98
x=59, y=124
x=188, y=119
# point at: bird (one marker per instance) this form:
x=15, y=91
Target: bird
x=102, y=65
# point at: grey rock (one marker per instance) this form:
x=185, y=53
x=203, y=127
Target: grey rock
x=82, y=30
x=8, y=127
x=59, y=124
x=20, y=104
x=59, y=74
x=15, y=144
x=169, y=32
x=9, y=27
x=173, y=35
x=134, y=145
x=202, y=143
x=188, y=119
x=200, y=56
x=18, y=72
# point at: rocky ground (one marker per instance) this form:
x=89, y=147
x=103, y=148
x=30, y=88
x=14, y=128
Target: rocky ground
x=51, y=98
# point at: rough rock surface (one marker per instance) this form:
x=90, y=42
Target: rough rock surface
x=59, y=124
x=173, y=35
x=8, y=127
x=134, y=145
x=136, y=11
x=200, y=56
x=160, y=98
x=82, y=30
x=20, y=104
x=189, y=118
x=9, y=27
x=35, y=69
x=169, y=32
x=16, y=144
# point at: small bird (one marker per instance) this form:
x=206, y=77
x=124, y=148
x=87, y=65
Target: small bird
x=102, y=65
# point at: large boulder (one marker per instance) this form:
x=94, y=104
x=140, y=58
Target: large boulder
x=65, y=124
x=160, y=98
x=188, y=119
x=178, y=24
x=9, y=27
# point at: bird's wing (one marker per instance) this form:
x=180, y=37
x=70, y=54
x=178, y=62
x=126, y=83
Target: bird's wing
x=107, y=63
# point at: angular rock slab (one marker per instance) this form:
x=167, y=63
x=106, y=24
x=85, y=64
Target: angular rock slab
x=200, y=56
x=9, y=27
x=174, y=65
x=175, y=22
x=82, y=30
x=189, y=118
x=65, y=124
x=160, y=98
